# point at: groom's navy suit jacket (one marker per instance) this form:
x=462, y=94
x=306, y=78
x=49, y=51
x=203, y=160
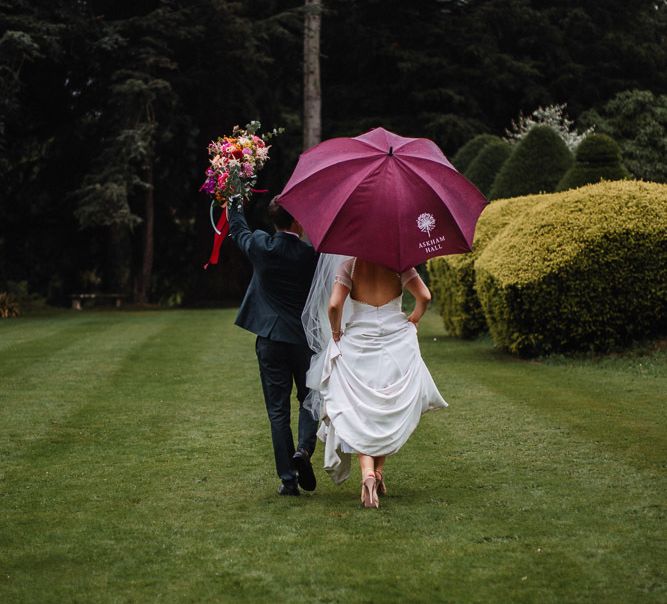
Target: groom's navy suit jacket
x=283, y=270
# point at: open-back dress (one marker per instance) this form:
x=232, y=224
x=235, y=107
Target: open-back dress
x=374, y=383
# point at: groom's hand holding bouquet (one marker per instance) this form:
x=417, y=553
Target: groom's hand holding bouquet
x=234, y=163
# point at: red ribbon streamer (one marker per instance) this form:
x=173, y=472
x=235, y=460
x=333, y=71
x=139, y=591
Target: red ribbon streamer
x=223, y=228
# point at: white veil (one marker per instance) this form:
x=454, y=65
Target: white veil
x=315, y=320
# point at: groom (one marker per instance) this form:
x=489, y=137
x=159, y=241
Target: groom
x=283, y=270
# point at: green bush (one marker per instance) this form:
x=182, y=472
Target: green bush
x=464, y=156
x=598, y=157
x=637, y=120
x=585, y=269
x=9, y=307
x=536, y=165
x=18, y=292
x=452, y=281
x=483, y=169
x=452, y=278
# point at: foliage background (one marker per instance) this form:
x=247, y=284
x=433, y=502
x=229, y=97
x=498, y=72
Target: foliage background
x=99, y=99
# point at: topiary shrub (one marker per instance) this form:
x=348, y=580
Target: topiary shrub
x=597, y=158
x=464, y=156
x=585, y=269
x=9, y=307
x=536, y=165
x=483, y=169
x=452, y=278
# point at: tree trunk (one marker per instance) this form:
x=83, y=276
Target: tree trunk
x=149, y=224
x=312, y=95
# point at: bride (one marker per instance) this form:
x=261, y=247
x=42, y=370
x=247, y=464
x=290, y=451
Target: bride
x=369, y=384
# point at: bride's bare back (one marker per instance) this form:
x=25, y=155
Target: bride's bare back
x=374, y=284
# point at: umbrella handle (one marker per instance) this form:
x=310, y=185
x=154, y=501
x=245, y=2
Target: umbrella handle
x=215, y=228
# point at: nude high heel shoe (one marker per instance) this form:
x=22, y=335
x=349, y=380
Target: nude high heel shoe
x=369, y=496
x=381, y=486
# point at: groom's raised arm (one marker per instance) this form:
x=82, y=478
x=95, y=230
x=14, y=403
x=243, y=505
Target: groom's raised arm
x=247, y=240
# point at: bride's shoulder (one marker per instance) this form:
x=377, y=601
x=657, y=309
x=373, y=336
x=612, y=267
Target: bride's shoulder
x=344, y=273
x=346, y=265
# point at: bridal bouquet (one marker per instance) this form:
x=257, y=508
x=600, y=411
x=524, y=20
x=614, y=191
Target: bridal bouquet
x=234, y=163
x=232, y=174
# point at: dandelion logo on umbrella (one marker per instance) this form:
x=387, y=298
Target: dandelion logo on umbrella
x=426, y=223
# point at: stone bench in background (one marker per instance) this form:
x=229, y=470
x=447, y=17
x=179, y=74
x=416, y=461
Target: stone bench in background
x=77, y=299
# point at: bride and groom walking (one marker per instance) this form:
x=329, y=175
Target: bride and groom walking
x=369, y=385
x=333, y=325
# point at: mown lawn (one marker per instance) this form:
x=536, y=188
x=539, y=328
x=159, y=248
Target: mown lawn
x=136, y=466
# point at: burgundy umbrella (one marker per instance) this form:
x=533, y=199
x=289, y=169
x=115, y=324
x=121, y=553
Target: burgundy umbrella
x=384, y=198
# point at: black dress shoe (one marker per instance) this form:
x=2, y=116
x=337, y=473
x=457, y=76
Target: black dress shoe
x=288, y=490
x=307, y=480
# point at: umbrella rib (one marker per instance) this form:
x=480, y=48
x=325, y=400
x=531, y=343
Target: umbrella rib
x=372, y=146
x=324, y=169
x=458, y=228
x=396, y=145
x=408, y=158
x=399, y=223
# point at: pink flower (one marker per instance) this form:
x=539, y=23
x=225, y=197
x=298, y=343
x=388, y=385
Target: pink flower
x=247, y=169
x=208, y=186
x=247, y=151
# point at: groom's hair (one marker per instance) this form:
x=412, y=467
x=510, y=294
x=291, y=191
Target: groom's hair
x=279, y=216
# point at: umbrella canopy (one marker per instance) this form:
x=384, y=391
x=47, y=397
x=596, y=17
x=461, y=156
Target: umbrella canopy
x=384, y=198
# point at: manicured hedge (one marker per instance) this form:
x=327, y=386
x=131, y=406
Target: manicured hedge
x=464, y=156
x=483, y=169
x=597, y=158
x=585, y=269
x=452, y=278
x=536, y=165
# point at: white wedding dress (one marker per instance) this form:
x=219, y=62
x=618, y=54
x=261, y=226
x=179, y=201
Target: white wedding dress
x=373, y=383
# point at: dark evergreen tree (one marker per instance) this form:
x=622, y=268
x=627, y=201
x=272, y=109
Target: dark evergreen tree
x=637, y=120
x=106, y=98
x=39, y=158
x=450, y=70
x=140, y=104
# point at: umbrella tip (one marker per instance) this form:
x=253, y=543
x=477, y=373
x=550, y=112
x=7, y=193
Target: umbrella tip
x=391, y=150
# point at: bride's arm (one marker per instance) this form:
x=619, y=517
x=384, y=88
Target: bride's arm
x=336, y=302
x=422, y=297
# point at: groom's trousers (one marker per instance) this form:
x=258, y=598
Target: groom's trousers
x=280, y=365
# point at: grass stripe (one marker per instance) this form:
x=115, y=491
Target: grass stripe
x=53, y=377
x=619, y=403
